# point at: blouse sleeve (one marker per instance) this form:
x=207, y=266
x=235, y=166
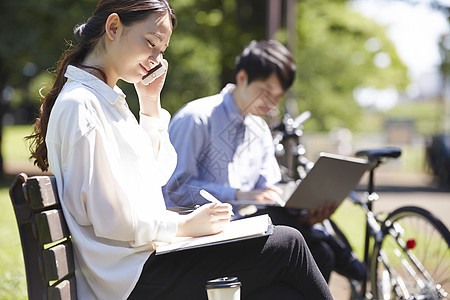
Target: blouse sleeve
x=118, y=204
x=163, y=150
x=110, y=184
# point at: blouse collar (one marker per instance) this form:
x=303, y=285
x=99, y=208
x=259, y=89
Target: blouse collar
x=111, y=95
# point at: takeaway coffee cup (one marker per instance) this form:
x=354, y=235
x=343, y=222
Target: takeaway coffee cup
x=224, y=288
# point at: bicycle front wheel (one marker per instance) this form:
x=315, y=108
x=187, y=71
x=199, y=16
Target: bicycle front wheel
x=413, y=259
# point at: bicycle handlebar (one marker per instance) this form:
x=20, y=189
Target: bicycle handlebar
x=289, y=125
x=302, y=117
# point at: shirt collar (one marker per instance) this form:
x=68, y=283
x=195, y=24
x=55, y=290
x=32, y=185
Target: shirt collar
x=89, y=80
x=229, y=103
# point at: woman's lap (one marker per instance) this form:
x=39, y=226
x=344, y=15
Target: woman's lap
x=258, y=263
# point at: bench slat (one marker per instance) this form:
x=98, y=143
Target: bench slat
x=58, y=261
x=42, y=192
x=50, y=272
x=64, y=290
x=51, y=226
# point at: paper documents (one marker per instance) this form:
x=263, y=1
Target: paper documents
x=236, y=230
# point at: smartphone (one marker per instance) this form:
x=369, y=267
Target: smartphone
x=153, y=74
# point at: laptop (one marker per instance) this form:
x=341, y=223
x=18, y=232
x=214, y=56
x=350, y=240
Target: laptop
x=331, y=179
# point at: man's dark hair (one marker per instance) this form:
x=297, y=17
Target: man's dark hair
x=260, y=59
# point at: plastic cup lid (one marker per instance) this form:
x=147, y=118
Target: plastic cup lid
x=223, y=282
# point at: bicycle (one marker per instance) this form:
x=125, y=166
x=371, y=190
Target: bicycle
x=410, y=256
x=406, y=254
x=289, y=150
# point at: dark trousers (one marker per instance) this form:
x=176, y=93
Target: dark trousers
x=278, y=266
x=317, y=242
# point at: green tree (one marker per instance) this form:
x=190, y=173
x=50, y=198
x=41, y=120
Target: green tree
x=333, y=60
x=32, y=36
x=210, y=34
x=331, y=55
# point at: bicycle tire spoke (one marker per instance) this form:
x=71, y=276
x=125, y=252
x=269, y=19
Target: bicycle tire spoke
x=441, y=271
x=416, y=270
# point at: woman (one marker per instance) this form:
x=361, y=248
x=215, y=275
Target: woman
x=110, y=170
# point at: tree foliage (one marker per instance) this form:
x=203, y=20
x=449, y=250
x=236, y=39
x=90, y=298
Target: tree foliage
x=205, y=44
x=333, y=59
x=331, y=55
x=31, y=38
x=36, y=32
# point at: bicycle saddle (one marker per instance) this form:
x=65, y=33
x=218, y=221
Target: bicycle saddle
x=376, y=154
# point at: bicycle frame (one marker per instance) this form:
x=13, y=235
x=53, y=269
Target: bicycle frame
x=378, y=229
x=396, y=232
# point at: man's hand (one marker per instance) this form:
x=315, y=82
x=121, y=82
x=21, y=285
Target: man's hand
x=321, y=213
x=269, y=195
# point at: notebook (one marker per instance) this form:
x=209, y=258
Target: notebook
x=331, y=179
x=237, y=230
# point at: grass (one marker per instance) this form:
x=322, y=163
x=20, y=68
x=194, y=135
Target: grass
x=12, y=269
x=12, y=272
x=351, y=220
x=14, y=147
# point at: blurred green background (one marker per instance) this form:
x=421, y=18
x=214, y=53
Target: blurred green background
x=337, y=52
x=336, y=48
x=328, y=39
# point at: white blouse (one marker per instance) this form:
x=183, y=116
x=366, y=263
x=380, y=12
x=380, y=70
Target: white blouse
x=109, y=175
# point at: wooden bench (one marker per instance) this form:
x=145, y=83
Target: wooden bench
x=45, y=237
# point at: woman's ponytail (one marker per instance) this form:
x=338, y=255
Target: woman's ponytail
x=87, y=37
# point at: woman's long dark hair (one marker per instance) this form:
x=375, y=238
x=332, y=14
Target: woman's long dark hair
x=88, y=35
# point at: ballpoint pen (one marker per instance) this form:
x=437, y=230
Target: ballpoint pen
x=211, y=198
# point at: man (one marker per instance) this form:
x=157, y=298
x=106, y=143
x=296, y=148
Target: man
x=225, y=147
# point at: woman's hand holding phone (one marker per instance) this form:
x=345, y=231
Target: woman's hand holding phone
x=153, y=74
x=149, y=89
